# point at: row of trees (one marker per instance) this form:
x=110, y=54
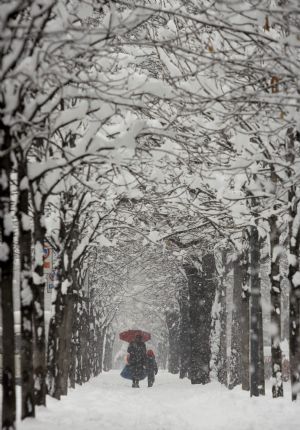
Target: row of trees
x=179, y=124
x=251, y=162
x=65, y=121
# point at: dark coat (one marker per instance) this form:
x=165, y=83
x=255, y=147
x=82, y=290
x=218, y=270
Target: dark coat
x=137, y=359
x=151, y=366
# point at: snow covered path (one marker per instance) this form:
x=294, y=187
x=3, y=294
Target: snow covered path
x=109, y=403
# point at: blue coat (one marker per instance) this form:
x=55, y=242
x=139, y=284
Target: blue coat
x=127, y=373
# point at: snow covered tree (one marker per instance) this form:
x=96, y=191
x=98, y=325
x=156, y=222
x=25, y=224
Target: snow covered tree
x=6, y=273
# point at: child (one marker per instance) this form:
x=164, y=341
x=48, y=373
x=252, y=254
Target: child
x=151, y=366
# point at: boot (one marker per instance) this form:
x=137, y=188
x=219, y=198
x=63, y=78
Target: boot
x=135, y=383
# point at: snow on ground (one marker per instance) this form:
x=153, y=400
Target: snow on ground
x=109, y=403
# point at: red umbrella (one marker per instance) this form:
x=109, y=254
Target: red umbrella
x=129, y=335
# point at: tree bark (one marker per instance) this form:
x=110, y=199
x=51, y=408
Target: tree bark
x=84, y=343
x=56, y=324
x=108, y=350
x=199, y=360
x=236, y=347
x=70, y=274
x=79, y=318
x=65, y=342
x=91, y=337
x=97, y=341
x=6, y=279
x=257, y=385
x=26, y=292
x=245, y=318
x=222, y=359
x=39, y=356
x=184, y=333
x=294, y=297
x=100, y=350
x=162, y=355
x=51, y=348
x=62, y=318
x=277, y=385
x=202, y=289
x=172, y=321
x=294, y=268
x=222, y=353
x=73, y=349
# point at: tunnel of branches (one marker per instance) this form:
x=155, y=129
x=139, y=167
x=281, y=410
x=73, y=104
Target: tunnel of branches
x=149, y=179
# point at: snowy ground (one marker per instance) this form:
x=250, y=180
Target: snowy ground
x=109, y=403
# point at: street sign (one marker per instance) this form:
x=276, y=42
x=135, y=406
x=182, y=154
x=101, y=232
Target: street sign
x=50, y=286
x=51, y=278
x=48, y=258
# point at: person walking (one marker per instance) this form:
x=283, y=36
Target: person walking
x=151, y=366
x=137, y=360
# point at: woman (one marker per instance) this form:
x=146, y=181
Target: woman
x=137, y=360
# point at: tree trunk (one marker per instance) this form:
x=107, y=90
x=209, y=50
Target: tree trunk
x=162, y=353
x=6, y=279
x=84, y=342
x=261, y=354
x=92, y=339
x=257, y=386
x=215, y=337
x=51, y=356
x=66, y=328
x=199, y=371
x=73, y=349
x=39, y=356
x=83, y=353
x=277, y=385
x=26, y=299
x=294, y=268
x=222, y=359
x=65, y=342
x=101, y=348
x=56, y=324
x=79, y=314
x=202, y=289
x=293, y=276
x=236, y=347
x=63, y=317
x=97, y=364
x=108, y=350
x=245, y=319
x=72, y=329
x=172, y=321
x=184, y=333
x=222, y=354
